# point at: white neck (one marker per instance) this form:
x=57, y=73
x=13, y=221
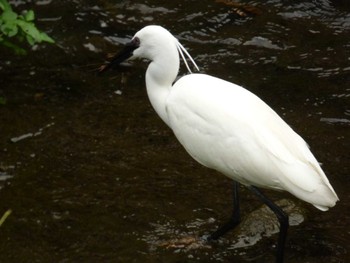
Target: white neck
x=160, y=75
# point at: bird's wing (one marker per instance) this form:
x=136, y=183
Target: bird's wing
x=227, y=128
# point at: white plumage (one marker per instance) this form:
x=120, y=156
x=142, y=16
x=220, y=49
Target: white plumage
x=225, y=127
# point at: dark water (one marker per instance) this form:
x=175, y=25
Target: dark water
x=90, y=172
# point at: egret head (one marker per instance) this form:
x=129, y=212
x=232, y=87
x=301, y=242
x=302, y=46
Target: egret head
x=150, y=42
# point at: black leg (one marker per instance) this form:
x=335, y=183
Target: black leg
x=235, y=218
x=282, y=218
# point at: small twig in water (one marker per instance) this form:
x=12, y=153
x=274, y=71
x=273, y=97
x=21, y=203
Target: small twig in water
x=3, y=218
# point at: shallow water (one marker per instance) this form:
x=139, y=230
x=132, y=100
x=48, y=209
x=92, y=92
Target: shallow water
x=91, y=174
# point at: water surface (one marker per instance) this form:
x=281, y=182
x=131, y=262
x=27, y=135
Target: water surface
x=91, y=174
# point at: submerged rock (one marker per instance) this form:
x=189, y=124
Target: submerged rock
x=262, y=222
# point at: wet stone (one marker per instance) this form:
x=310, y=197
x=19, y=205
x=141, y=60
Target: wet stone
x=262, y=222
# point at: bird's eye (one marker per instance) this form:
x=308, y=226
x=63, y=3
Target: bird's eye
x=136, y=41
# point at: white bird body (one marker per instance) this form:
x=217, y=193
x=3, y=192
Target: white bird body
x=226, y=127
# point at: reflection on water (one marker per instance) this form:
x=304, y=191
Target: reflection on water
x=28, y=135
x=5, y=174
x=108, y=182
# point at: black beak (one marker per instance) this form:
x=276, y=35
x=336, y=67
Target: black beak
x=123, y=55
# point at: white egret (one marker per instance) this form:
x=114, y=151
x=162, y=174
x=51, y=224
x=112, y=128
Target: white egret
x=227, y=128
